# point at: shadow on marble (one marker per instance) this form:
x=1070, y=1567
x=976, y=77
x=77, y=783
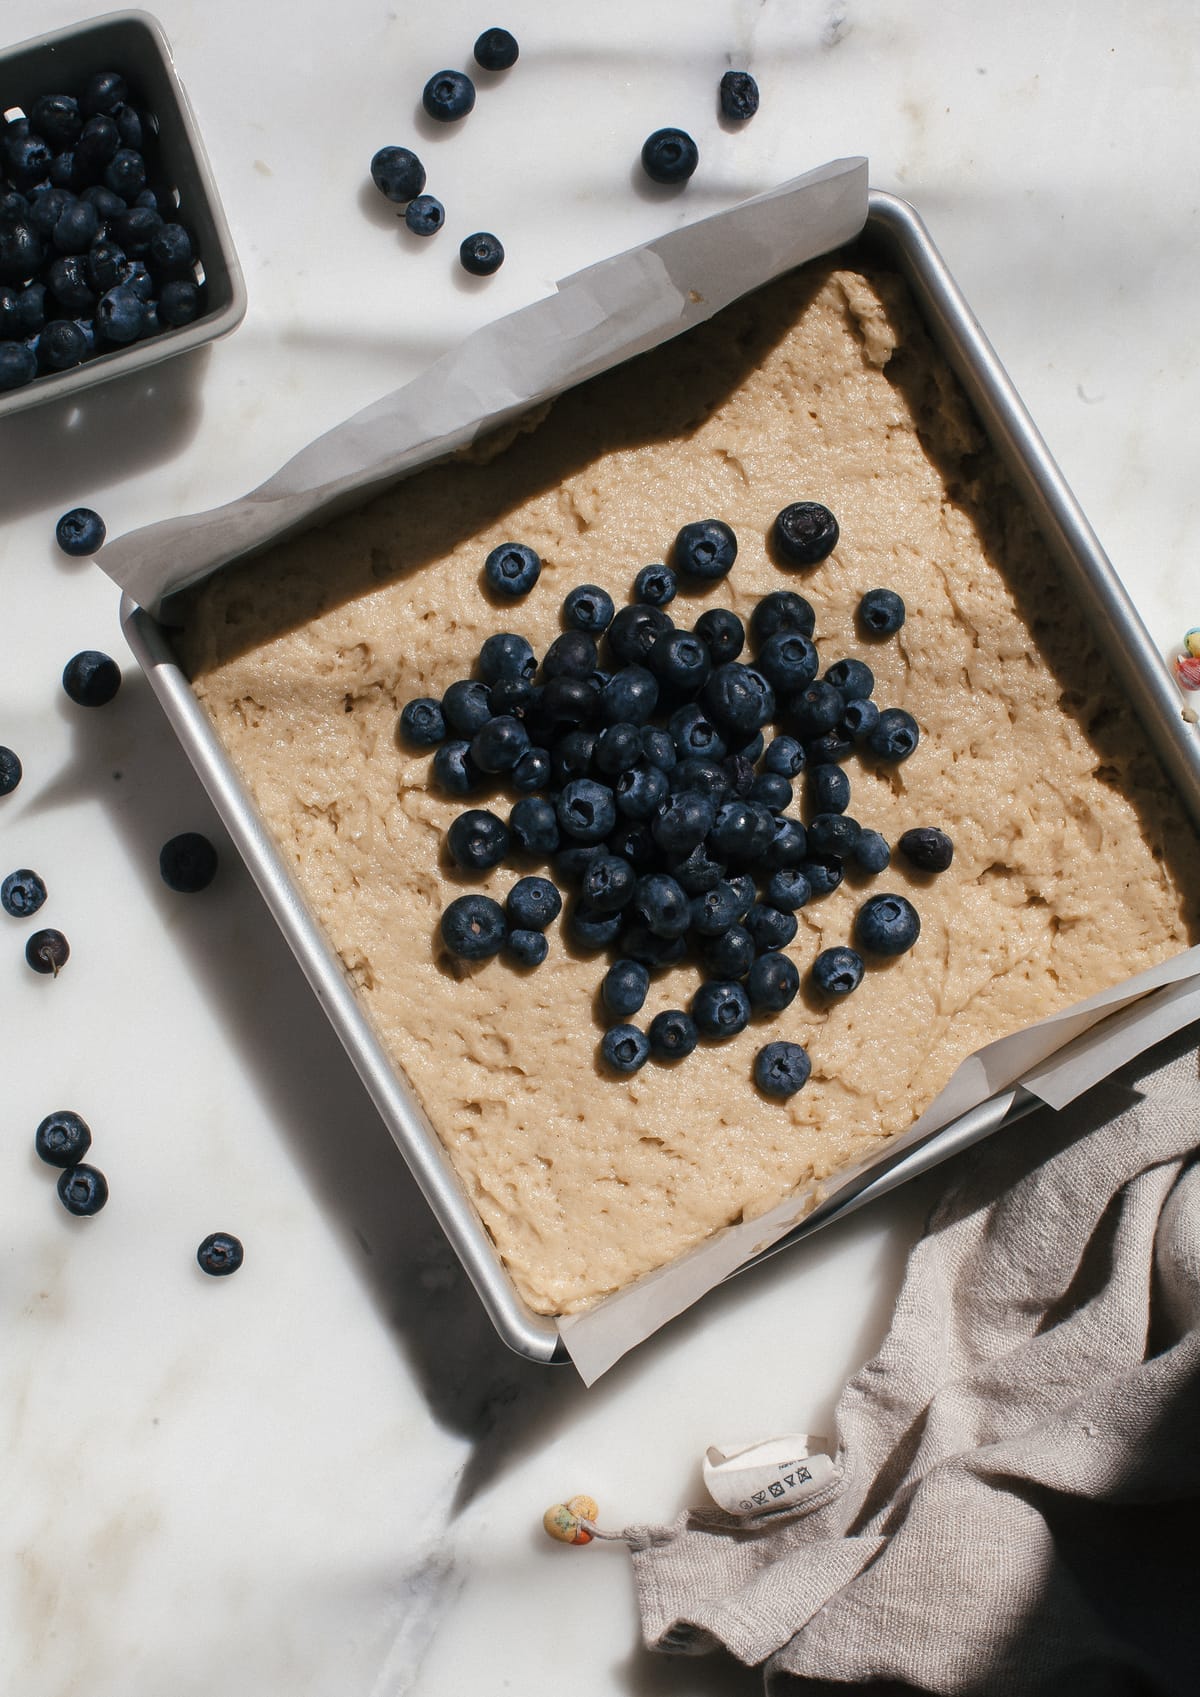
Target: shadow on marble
x=113, y=431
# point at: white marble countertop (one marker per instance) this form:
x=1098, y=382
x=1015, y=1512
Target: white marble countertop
x=324, y=1477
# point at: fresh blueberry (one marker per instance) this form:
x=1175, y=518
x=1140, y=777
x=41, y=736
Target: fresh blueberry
x=683, y=823
x=853, y=679
x=511, y=697
x=630, y=696
x=571, y=655
x=91, y=679
x=788, y=889
x=119, y=316
x=785, y=756
x=171, y=250
x=61, y=346
x=532, y=773
x=716, y=910
x=135, y=230
x=641, y=793
x=425, y=215
x=63, y=1138
x=773, y=790
x=723, y=633
x=137, y=280
x=47, y=952
x=506, y=655
x=22, y=893
x=731, y=954
x=477, y=840
x=422, y=723
x=220, y=1254
x=125, y=173
x=672, y=1035
x=860, y=719
x=568, y=703
x=130, y=128
x=658, y=748
x=661, y=905
x=467, y=706
x=10, y=770
x=625, y=1048
x=179, y=303
x=895, y=736
x=772, y=982
x=707, y=777
x=788, y=847
x=588, y=608
x=782, y=610
x=587, y=811
x=828, y=789
x=738, y=699
x=634, y=631
x=18, y=365
x=398, y=174
x=927, y=848
x=871, y=853
x=98, y=145
x=697, y=873
x=655, y=585
x=739, y=96
x=496, y=50
x=512, y=569
x=448, y=96
x=21, y=251
x=733, y=831
x=481, y=254
x=816, y=710
x=655, y=952
x=804, y=534
x=788, y=661
x=454, y=772
x=742, y=885
x=498, y=745
x=82, y=1189
x=526, y=948
x=105, y=92
x=45, y=209
x=624, y=988
x=473, y=927
x=833, y=833
x=681, y=661
x=618, y=749
x=588, y=929
x=108, y=205
x=836, y=972
x=770, y=927
x=29, y=160
x=77, y=227
x=721, y=1009
x=533, y=824
x=70, y=286
x=694, y=734
x=81, y=531
x=781, y=1069
x=705, y=550
x=880, y=612
x=669, y=156
x=30, y=309
x=823, y=871
x=188, y=863
x=608, y=883
x=887, y=925
x=633, y=842
x=57, y=119
x=830, y=749
x=103, y=266
x=742, y=760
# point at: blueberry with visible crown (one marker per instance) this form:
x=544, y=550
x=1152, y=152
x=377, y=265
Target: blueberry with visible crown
x=625, y=1048
x=22, y=893
x=860, y=719
x=927, y=848
x=705, y=550
x=634, y=631
x=788, y=661
x=481, y=254
x=672, y=1035
x=526, y=948
x=586, y=810
x=496, y=50
x=47, y=952
x=473, y=927
x=838, y=971
x=424, y=215
x=79, y=532
x=669, y=156
x=448, y=96
x=781, y=1069
x=589, y=608
x=477, y=840
x=887, y=925
x=422, y=722
x=895, y=736
x=787, y=889
x=63, y=1138
x=656, y=586
x=608, y=883
x=881, y=612
x=454, y=772
x=853, y=679
x=804, y=534
x=82, y=1190
x=220, y=1254
x=720, y=1010
x=782, y=610
x=785, y=756
x=512, y=569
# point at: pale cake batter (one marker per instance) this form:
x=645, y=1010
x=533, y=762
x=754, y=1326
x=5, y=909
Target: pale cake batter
x=1073, y=866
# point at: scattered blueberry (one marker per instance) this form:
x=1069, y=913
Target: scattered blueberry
x=532, y=903
x=927, y=848
x=772, y=982
x=589, y=608
x=220, y=1254
x=512, y=569
x=425, y=215
x=705, y=549
x=887, y=925
x=119, y=315
x=853, y=679
x=18, y=365
x=837, y=971
x=880, y=612
x=82, y=1189
x=672, y=1035
x=895, y=736
x=625, y=987
x=171, y=250
x=624, y=1048
x=178, y=303
x=720, y=1009
x=655, y=585
x=455, y=773
x=770, y=927
x=22, y=893
x=669, y=156
x=473, y=927
x=804, y=534
x=467, y=706
x=397, y=173
x=63, y=1139
x=723, y=632
x=739, y=96
x=481, y=253
x=477, y=840
x=10, y=770
x=533, y=823
x=187, y=863
x=781, y=1069
x=47, y=952
x=422, y=723
x=448, y=96
x=828, y=789
x=860, y=719
x=871, y=853
x=81, y=531
x=496, y=50
x=498, y=745
x=526, y=948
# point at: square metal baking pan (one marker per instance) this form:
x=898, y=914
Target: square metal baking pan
x=895, y=234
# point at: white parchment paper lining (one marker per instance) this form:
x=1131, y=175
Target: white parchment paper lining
x=597, y=318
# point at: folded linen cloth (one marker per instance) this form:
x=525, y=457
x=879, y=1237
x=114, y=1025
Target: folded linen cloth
x=1020, y=1463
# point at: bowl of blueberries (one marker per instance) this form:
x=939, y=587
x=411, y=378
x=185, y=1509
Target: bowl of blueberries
x=114, y=250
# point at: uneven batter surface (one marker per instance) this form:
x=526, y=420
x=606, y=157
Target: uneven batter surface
x=1071, y=855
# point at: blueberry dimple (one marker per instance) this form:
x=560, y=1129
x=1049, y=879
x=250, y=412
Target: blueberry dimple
x=705, y=549
x=63, y=1138
x=781, y=1069
x=853, y=679
x=422, y=723
x=895, y=736
x=881, y=612
x=481, y=253
x=448, y=96
x=22, y=893
x=588, y=608
x=720, y=1009
x=586, y=810
x=669, y=156
x=424, y=215
x=723, y=632
x=625, y=1048
x=837, y=971
x=512, y=569
x=83, y=1190
x=473, y=927
x=79, y=532
x=887, y=925
x=220, y=1254
x=804, y=533
x=655, y=585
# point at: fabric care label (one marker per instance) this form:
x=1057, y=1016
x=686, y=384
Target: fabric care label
x=777, y=1473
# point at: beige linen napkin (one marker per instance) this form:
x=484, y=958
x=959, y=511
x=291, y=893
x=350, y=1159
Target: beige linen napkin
x=1020, y=1463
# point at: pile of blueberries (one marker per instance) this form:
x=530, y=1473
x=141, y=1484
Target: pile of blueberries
x=646, y=780
x=92, y=256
